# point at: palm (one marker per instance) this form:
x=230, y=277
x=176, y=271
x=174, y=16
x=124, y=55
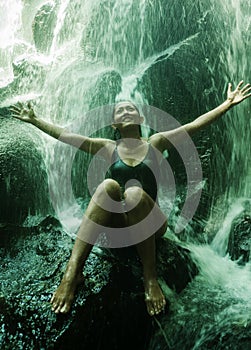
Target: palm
x=239, y=94
x=23, y=113
x=27, y=114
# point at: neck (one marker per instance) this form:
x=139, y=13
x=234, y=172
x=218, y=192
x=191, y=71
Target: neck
x=130, y=132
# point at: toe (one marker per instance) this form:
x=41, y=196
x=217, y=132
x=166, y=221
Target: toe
x=54, y=305
x=163, y=304
x=160, y=306
x=151, y=312
x=58, y=309
x=150, y=307
x=156, y=307
x=52, y=298
x=57, y=306
x=64, y=308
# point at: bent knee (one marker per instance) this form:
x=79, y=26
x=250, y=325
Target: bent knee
x=110, y=187
x=136, y=196
x=134, y=192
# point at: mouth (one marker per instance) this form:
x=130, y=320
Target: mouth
x=126, y=118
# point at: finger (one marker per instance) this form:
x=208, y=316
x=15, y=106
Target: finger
x=29, y=105
x=246, y=90
x=229, y=87
x=244, y=87
x=247, y=96
x=20, y=105
x=15, y=109
x=14, y=115
x=16, y=106
x=239, y=85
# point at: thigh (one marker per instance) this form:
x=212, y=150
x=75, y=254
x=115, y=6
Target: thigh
x=160, y=221
x=161, y=217
x=162, y=230
x=145, y=210
x=132, y=236
x=119, y=220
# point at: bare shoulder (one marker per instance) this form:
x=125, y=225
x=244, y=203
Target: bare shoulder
x=110, y=144
x=164, y=140
x=107, y=148
x=95, y=145
x=103, y=142
x=158, y=141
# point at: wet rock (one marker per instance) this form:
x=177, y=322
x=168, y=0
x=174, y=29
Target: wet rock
x=23, y=178
x=106, y=88
x=109, y=309
x=25, y=69
x=223, y=337
x=239, y=243
x=29, y=75
x=203, y=317
x=43, y=27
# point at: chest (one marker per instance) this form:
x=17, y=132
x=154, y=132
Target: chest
x=133, y=155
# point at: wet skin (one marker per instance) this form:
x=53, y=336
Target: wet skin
x=155, y=301
x=63, y=298
x=127, y=120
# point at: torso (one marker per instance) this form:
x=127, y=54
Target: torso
x=140, y=163
x=132, y=156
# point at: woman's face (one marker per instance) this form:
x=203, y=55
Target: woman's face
x=126, y=112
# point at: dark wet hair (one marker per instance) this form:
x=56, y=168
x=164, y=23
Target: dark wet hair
x=133, y=104
x=116, y=132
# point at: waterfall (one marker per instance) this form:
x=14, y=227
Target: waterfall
x=64, y=87
x=78, y=56
x=234, y=51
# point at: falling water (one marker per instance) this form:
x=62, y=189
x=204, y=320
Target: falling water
x=101, y=51
x=234, y=62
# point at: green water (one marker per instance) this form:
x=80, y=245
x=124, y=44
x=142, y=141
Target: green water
x=72, y=57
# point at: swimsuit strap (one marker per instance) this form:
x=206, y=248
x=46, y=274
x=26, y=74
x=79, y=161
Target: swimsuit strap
x=116, y=156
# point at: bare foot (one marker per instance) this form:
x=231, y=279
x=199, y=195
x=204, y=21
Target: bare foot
x=155, y=300
x=63, y=297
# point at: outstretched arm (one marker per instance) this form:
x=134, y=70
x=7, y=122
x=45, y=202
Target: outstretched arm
x=234, y=97
x=87, y=144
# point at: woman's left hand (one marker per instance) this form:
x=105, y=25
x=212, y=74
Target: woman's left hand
x=239, y=94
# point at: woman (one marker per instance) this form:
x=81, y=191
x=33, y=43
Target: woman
x=132, y=204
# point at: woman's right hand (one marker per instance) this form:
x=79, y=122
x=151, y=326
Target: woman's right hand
x=24, y=113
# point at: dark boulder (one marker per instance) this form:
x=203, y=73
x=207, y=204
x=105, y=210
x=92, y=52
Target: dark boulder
x=23, y=177
x=43, y=27
x=239, y=243
x=28, y=78
x=108, y=311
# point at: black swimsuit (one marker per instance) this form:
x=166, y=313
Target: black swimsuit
x=146, y=172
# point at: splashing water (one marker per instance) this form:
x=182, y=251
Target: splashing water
x=111, y=45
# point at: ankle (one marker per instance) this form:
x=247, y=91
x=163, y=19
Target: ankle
x=72, y=270
x=150, y=278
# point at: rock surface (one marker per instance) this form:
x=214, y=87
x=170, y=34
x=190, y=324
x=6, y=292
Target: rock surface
x=23, y=178
x=108, y=311
x=240, y=238
x=43, y=27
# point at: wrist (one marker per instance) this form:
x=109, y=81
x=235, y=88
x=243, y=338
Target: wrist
x=227, y=104
x=34, y=121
